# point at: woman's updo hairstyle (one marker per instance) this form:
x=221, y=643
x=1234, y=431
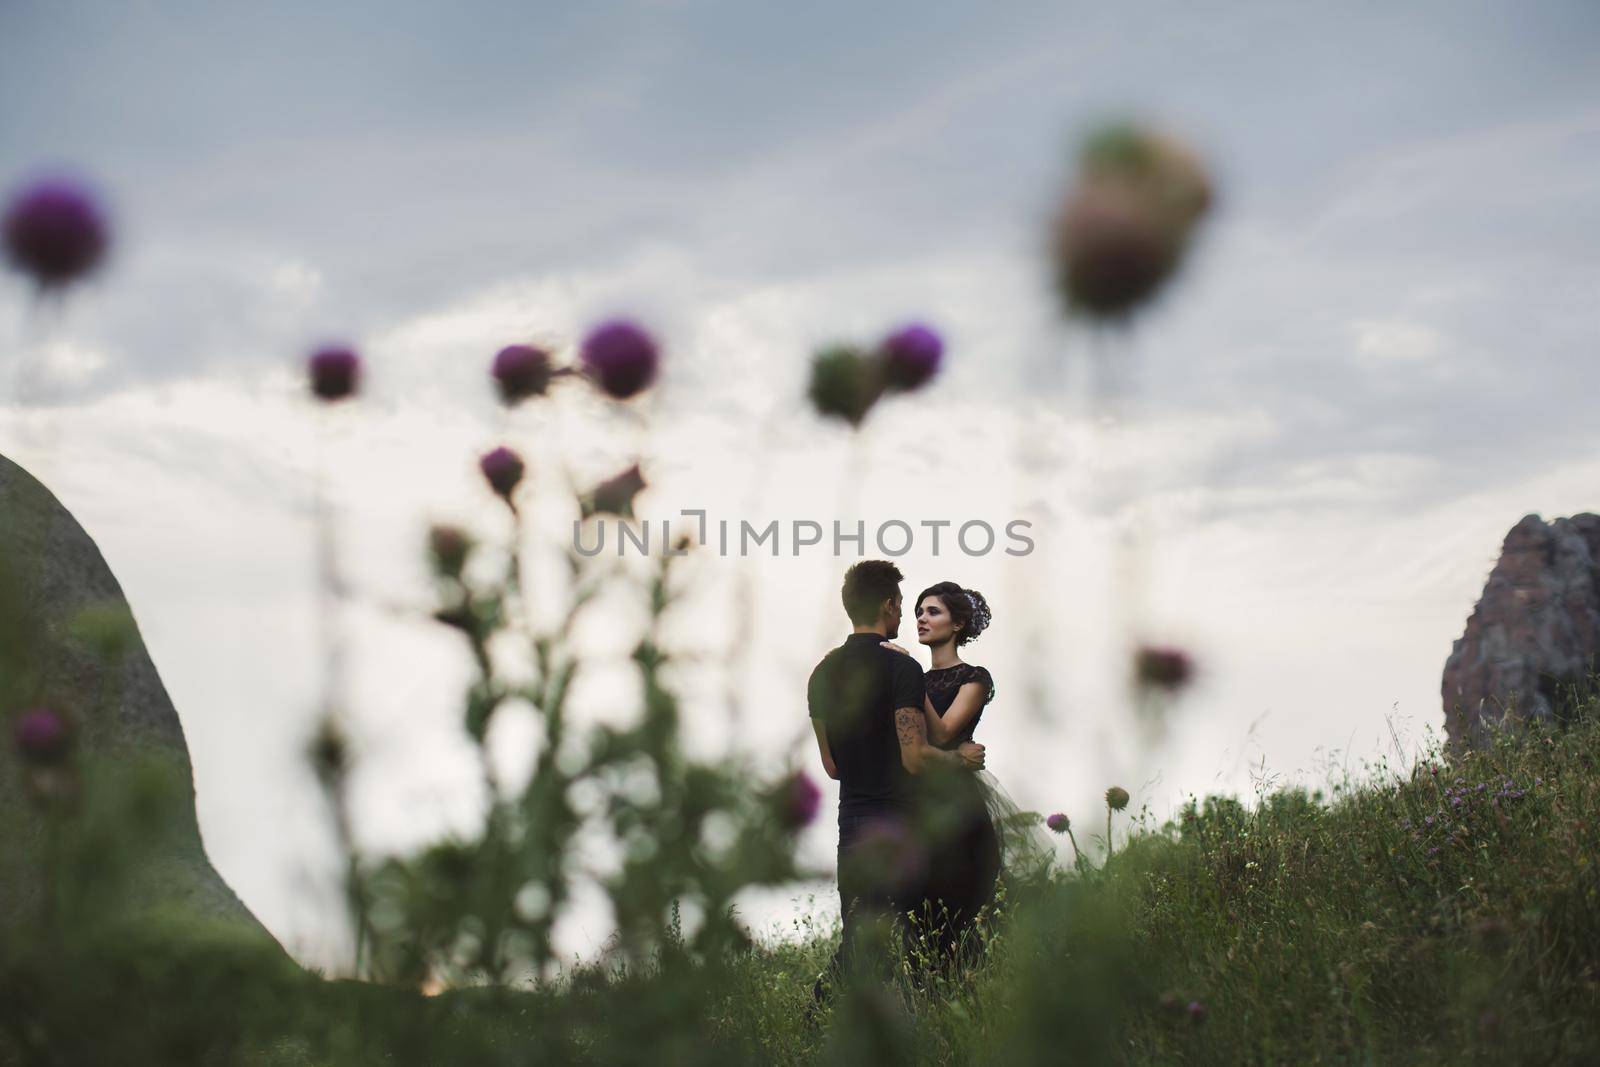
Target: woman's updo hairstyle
x=967, y=608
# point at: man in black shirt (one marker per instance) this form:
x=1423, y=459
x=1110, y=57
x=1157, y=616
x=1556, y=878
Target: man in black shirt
x=866, y=708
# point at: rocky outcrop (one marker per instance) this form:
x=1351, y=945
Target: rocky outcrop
x=1533, y=641
x=50, y=571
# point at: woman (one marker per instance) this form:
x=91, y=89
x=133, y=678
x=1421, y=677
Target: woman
x=977, y=830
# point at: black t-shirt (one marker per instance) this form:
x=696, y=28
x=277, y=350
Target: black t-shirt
x=854, y=692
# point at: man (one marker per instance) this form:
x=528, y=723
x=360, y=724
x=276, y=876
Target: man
x=866, y=708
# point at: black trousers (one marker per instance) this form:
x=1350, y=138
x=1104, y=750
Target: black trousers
x=879, y=868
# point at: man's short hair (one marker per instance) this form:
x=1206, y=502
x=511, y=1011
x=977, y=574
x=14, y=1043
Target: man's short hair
x=867, y=584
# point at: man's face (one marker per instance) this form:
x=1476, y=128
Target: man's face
x=892, y=621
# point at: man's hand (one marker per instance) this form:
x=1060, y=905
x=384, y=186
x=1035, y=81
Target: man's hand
x=897, y=648
x=971, y=755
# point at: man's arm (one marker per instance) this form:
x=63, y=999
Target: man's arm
x=816, y=701
x=916, y=755
x=822, y=746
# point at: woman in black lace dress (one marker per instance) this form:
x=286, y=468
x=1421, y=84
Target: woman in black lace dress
x=976, y=829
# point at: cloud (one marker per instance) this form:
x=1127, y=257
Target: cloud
x=1394, y=340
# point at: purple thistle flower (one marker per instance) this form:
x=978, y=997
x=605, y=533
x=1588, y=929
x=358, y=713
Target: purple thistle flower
x=43, y=736
x=798, y=801
x=335, y=371
x=55, y=230
x=521, y=371
x=503, y=469
x=1163, y=668
x=911, y=357
x=620, y=357
x=1059, y=822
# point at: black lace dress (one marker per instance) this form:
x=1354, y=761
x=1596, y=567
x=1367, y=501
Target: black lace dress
x=964, y=843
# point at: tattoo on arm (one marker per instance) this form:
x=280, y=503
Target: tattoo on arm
x=911, y=727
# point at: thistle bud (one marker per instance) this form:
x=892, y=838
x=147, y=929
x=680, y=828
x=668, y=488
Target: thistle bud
x=329, y=752
x=1163, y=668
x=1059, y=822
x=55, y=231
x=521, y=371
x=1168, y=173
x=502, y=469
x=335, y=372
x=798, y=800
x=1116, y=798
x=911, y=357
x=448, y=546
x=845, y=384
x=621, y=358
x=43, y=736
x=1112, y=250
x=1126, y=225
x=614, y=496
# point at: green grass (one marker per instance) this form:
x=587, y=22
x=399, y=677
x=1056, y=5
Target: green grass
x=1355, y=930
x=1308, y=931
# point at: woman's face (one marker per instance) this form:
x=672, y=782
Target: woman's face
x=934, y=626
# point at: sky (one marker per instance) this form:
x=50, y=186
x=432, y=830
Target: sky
x=1380, y=356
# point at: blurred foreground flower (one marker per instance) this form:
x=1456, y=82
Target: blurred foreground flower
x=1162, y=668
x=911, y=357
x=887, y=855
x=614, y=496
x=448, y=547
x=107, y=627
x=521, y=371
x=335, y=372
x=621, y=358
x=329, y=752
x=55, y=231
x=43, y=736
x=845, y=383
x=1127, y=223
x=502, y=469
x=798, y=800
x=1163, y=169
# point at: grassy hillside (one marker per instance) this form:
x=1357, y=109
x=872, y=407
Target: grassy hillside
x=1452, y=915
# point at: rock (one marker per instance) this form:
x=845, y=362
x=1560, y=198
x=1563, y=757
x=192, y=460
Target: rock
x=1534, y=637
x=52, y=654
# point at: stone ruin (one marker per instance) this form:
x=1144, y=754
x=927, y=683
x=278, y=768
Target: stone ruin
x=1531, y=649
